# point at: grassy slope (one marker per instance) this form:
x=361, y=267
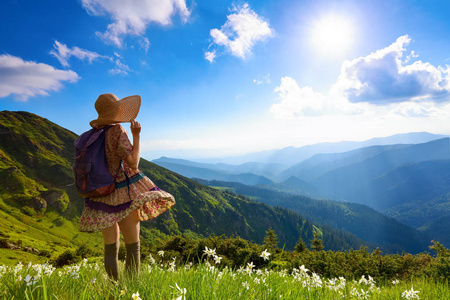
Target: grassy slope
x=49, y=233
x=35, y=156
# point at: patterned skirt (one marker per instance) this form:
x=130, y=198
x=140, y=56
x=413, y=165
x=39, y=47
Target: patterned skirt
x=136, y=193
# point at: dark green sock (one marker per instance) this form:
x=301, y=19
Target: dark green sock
x=133, y=258
x=112, y=260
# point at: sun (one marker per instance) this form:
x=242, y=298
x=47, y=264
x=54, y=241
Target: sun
x=332, y=36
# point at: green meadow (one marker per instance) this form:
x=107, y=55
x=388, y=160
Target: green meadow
x=163, y=277
x=233, y=268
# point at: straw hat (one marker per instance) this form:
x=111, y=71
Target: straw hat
x=112, y=110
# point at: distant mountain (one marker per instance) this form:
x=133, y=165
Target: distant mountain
x=207, y=211
x=415, y=182
x=293, y=155
x=215, y=171
x=419, y=214
x=40, y=207
x=406, y=181
x=418, y=195
x=294, y=185
x=353, y=182
x=268, y=170
x=409, y=182
x=439, y=228
x=322, y=163
x=361, y=220
x=306, y=163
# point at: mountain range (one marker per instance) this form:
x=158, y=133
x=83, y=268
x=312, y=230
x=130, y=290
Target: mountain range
x=406, y=181
x=291, y=155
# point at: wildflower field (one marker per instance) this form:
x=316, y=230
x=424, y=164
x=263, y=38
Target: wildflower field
x=164, y=277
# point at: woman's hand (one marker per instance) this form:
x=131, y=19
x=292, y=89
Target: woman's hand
x=135, y=127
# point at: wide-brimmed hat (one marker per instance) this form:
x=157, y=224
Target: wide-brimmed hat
x=112, y=110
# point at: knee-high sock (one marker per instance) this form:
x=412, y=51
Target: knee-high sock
x=133, y=258
x=111, y=260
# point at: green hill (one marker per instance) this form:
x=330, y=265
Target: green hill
x=39, y=212
x=40, y=208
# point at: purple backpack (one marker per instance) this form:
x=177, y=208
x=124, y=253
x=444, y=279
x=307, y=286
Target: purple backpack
x=92, y=177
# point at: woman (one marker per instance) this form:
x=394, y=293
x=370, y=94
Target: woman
x=135, y=198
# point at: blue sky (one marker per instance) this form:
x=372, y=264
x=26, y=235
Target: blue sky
x=221, y=78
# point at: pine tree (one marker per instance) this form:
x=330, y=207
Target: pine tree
x=300, y=246
x=317, y=243
x=271, y=240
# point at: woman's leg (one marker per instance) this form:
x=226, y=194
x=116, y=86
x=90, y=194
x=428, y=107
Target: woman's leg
x=130, y=227
x=111, y=253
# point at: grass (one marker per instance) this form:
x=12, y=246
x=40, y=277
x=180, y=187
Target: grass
x=45, y=232
x=169, y=279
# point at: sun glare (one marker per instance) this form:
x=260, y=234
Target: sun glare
x=332, y=36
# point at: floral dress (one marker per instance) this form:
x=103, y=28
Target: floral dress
x=137, y=192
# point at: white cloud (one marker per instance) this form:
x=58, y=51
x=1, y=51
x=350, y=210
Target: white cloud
x=26, y=79
x=382, y=77
x=144, y=44
x=133, y=17
x=241, y=31
x=262, y=79
x=379, y=84
x=120, y=68
x=295, y=101
x=63, y=54
x=416, y=110
x=210, y=56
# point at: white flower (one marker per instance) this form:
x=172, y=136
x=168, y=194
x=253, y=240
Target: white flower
x=363, y=280
x=360, y=294
x=18, y=268
x=151, y=260
x=316, y=281
x=249, y=269
x=411, y=294
x=303, y=269
x=209, y=252
x=265, y=255
x=30, y=280
x=172, y=265
x=246, y=285
x=3, y=270
x=182, y=291
x=161, y=253
x=135, y=296
x=395, y=281
x=364, y=294
x=217, y=259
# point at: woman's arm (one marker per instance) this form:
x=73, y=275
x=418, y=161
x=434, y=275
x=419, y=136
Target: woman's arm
x=132, y=160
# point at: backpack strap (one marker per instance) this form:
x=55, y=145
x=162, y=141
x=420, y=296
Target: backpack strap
x=126, y=175
x=97, y=133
